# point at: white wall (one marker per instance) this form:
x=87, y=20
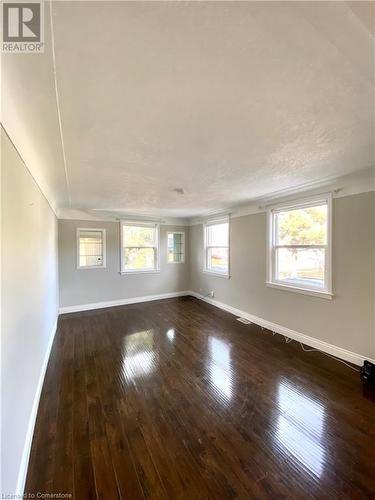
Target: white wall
x=29, y=304
x=347, y=321
x=87, y=286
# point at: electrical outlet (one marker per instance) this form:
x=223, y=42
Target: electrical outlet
x=212, y=294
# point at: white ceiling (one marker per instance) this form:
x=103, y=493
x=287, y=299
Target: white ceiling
x=230, y=101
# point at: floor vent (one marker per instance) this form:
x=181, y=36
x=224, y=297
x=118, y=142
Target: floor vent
x=244, y=321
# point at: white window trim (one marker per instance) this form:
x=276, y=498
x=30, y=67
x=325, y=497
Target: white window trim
x=211, y=222
x=183, y=246
x=78, y=232
x=326, y=293
x=157, y=246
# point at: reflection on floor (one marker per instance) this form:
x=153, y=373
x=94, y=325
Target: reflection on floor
x=220, y=369
x=139, y=356
x=300, y=427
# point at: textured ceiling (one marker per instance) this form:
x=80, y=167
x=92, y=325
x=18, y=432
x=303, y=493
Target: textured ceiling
x=227, y=101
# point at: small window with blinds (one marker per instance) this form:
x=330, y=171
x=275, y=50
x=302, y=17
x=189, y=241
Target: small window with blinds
x=176, y=247
x=90, y=248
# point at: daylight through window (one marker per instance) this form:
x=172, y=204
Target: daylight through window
x=216, y=237
x=300, y=245
x=140, y=247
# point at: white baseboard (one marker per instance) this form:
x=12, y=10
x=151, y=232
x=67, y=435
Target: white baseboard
x=120, y=302
x=22, y=473
x=334, y=350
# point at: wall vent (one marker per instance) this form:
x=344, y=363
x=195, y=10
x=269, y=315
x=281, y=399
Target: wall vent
x=244, y=321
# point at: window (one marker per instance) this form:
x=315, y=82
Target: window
x=90, y=248
x=299, y=246
x=216, y=247
x=176, y=247
x=139, y=247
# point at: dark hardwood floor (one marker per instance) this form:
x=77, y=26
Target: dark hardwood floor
x=176, y=399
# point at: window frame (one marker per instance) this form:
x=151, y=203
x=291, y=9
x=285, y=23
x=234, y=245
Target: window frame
x=183, y=247
x=206, y=225
x=272, y=211
x=78, y=237
x=136, y=223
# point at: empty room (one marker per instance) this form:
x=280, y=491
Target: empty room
x=187, y=250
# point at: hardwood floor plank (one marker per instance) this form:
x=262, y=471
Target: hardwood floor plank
x=122, y=460
x=106, y=485
x=84, y=483
x=62, y=480
x=144, y=464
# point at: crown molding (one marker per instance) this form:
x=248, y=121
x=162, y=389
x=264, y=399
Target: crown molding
x=362, y=181
x=104, y=216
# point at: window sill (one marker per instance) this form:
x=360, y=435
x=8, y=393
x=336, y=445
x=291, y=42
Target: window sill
x=305, y=291
x=218, y=275
x=151, y=271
